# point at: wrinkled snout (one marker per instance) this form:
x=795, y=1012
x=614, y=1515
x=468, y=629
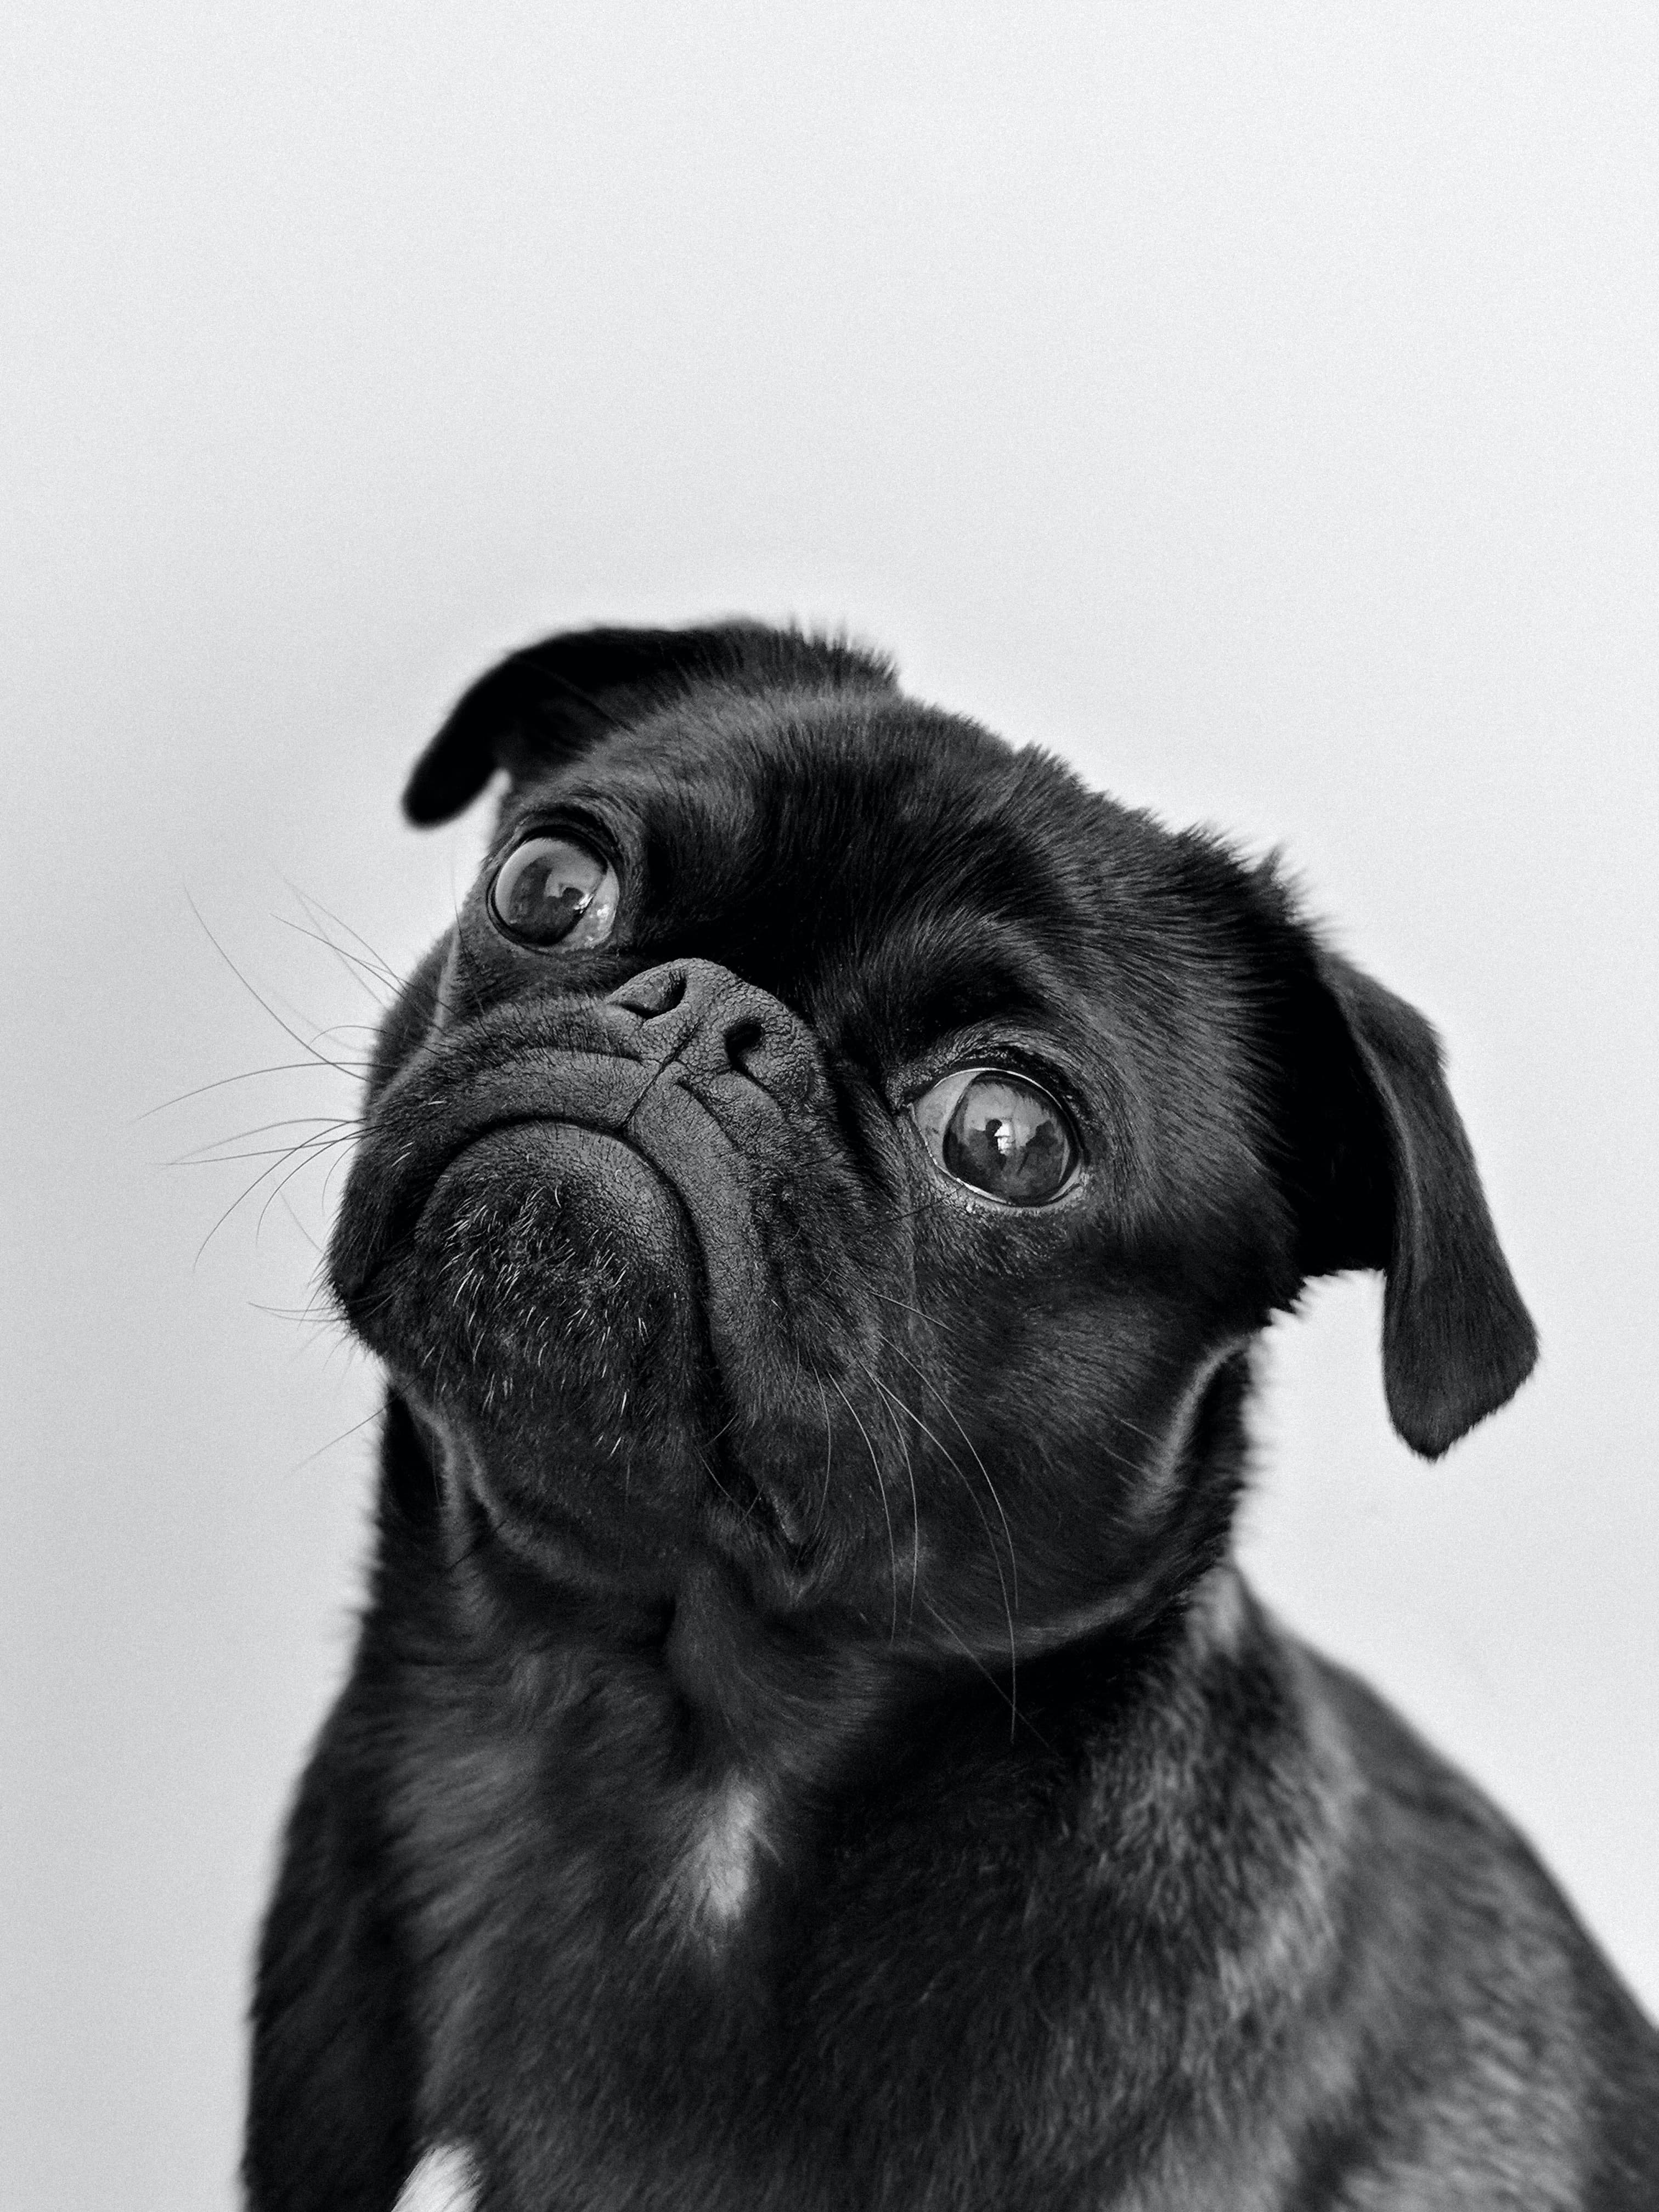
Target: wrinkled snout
x=631, y=1222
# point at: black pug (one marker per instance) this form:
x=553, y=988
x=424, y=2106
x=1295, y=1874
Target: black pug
x=808, y=1748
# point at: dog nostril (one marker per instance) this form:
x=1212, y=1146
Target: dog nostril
x=659, y=991
x=744, y=1039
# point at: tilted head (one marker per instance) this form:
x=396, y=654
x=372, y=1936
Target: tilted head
x=836, y=1146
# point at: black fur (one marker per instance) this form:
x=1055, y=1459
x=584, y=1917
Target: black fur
x=808, y=1745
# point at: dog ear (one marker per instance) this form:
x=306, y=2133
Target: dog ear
x=1393, y=1186
x=554, y=701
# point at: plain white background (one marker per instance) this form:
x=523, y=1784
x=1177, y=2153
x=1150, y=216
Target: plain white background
x=1255, y=404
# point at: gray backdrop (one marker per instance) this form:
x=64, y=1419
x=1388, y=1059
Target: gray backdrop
x=1255, y=404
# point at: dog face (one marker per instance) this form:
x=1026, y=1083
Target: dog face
x=818, y=1104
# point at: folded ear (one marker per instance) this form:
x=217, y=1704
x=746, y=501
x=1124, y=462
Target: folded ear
x=554, y=700
x=1389, y=1182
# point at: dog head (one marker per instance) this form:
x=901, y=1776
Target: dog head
x=832, y=1142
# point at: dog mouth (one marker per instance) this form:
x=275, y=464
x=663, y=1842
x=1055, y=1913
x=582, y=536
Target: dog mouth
x=545, y=1268
x=419, y=1141
x=567, y=1226
x=529, y=1207
x=711, y=1180
x=524, y=1133
x=634, y=1271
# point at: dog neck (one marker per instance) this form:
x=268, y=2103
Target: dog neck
x=706, y=1743
x=697, y=1733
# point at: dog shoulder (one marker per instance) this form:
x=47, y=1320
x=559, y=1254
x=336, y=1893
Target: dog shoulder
x=1492, y=2035
x=330, y=2117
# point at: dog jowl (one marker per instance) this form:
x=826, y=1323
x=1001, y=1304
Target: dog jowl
x=808, y=1745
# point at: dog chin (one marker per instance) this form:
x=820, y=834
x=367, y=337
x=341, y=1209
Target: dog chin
x=549, y=1280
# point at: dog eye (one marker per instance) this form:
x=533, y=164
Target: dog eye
x=550, y=891
x=999, y=1135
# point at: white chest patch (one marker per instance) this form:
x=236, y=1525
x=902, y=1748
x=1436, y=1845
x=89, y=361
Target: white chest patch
x=718, y=1869
x=446, y=2180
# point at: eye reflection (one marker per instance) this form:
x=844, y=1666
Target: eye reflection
x=552, y=892
x=998, y=1134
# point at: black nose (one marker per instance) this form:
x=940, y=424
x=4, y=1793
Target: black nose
x=657, y=991
x=699, y=1012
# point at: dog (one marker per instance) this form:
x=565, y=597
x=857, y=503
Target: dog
x=809, y=1746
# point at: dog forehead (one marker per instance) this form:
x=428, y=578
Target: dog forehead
x=821, y=771
x=887, y=858
x=865, y=809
